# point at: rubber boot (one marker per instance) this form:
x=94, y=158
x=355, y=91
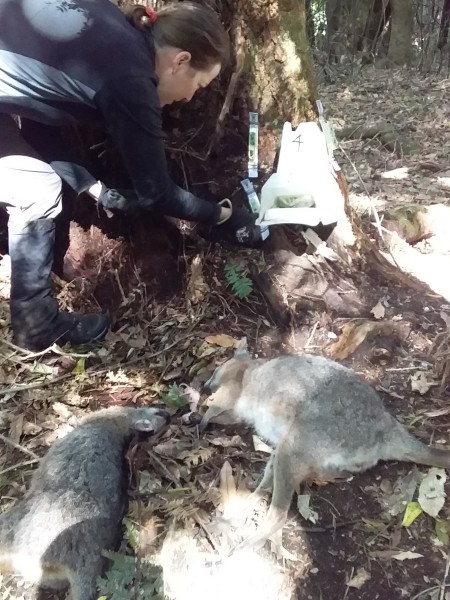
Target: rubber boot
x=36, y=319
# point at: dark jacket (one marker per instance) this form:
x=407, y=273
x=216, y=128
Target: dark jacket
x=65, y=61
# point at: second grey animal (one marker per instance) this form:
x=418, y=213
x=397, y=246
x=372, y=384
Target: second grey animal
x=323, y=420
x=73, y=509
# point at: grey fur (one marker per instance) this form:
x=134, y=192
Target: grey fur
x=74, y=507
x=323, y=420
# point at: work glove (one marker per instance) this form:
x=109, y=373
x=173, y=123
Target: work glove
x=114, y=201
x=239, y=229
x=117, y=200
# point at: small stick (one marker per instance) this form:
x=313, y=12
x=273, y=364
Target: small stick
x=163, y=468
x=325, y=528
x=310, y=339
x=53, y=348
x=347, y=587
x=122, y=293
x=20, y=465
x=430, y=589
x=17, y=446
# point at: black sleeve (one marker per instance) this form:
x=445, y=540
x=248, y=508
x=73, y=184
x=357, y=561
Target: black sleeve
x=132, y=114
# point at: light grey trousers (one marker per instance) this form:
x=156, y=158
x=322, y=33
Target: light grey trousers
x=29, y=190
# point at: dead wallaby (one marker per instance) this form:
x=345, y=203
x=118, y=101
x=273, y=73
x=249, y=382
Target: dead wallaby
x=74, y=507
x=323, y=421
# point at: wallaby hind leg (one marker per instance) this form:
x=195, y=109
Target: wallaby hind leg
x=264, y=487
x=245, y=508
x=288, y=472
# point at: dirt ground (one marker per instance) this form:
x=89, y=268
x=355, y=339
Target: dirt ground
x=177, y=318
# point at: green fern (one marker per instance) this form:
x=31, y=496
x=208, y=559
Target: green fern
x=174, y=397
x=119, y=583
x=236, y=277
x=131, y=534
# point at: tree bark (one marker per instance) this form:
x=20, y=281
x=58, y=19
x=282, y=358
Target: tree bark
x=445, y=24
x=400, y=42
x=377, y=19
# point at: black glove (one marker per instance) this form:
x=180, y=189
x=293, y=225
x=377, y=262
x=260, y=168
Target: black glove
x=239, y=230
x=124, y=201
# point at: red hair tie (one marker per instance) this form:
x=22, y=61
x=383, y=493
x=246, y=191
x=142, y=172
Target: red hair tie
x=151, y=14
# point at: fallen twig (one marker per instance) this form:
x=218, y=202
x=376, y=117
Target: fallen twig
x=20, y=465
x=17, y=446
x=325, y=528
x=428, y=590
x=53, y=348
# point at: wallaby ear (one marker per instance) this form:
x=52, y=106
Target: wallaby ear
x=144, y=425
x=242, y=349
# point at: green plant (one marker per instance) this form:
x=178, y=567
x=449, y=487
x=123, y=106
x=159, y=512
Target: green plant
x=131, y=534
x=120, y=581
x=236, y=276
x=174, y=397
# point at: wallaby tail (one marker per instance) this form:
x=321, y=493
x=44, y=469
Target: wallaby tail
x=433, y=457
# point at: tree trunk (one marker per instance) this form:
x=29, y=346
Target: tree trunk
x=378, y=17
x=354, y=27
x=272, y=44
x=400, y=42
x=445, y=24
x=337, y=12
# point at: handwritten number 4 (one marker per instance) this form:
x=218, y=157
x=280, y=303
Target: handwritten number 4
x=298, y=141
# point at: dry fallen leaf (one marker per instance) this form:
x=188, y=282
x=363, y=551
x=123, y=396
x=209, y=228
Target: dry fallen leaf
x=227, y=441
x=422, y=381
x=355, y=332
x=402, y=493
x=31, y=428
x=223, y=340
x=305, y=509
x=407, y=555
x=431, y=491
x=61, y=410
x=378, y=311
x=16, y=428
x=227, y=488
x=390, y=554
x=260, y=446
x=196, y=286
x=439, y=412
x=358, y=580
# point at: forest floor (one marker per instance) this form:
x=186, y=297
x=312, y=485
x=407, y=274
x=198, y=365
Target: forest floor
x=358, y=538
